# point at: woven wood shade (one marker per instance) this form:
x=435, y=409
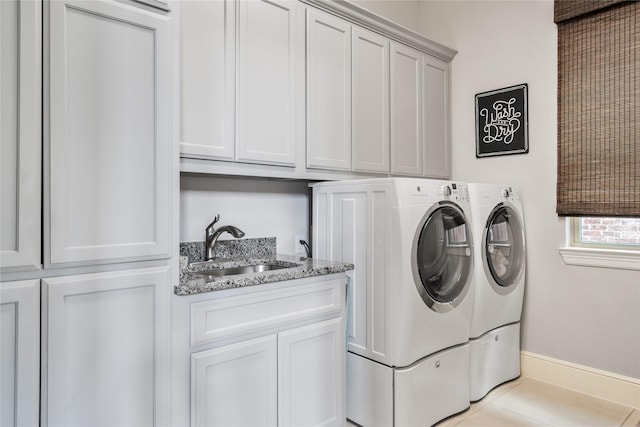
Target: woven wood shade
x=598, y=113
x=568, y=9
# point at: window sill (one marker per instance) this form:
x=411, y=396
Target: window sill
x=606, y=258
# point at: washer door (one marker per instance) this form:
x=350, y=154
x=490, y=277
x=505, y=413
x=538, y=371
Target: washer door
x=503, y=250
x=443, y=259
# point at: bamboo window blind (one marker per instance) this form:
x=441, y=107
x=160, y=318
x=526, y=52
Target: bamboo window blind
x=598, y=107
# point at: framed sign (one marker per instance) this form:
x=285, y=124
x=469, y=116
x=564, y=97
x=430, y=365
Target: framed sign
x=501, y=122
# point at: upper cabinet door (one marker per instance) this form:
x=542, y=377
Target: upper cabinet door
x=20, y=136
x=436, y=124
x=207, y=78
x=406, y=111
x=370, y=101
x=266, y=83
x=109, y=142
x=328, y=91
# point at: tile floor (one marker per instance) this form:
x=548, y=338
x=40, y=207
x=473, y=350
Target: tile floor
x=530, y=403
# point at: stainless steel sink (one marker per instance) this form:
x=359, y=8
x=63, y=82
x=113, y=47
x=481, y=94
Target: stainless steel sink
x=245, y=269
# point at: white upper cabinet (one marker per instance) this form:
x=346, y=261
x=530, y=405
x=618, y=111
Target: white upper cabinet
x=328, y=91
x=324, y=88
x=266, y=84
x=436, y=118
x=109, y=143
x=20, y=139
x=370, y=101
x=207, y=78
x=406, y=110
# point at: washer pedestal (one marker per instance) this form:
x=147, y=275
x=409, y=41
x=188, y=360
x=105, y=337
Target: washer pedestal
x=494, y=358
x=423, y=393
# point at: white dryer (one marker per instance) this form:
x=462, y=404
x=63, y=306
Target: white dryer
x=499, y=286
x=410, y=297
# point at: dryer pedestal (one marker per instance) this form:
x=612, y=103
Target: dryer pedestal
x=423, y=393
x=494, y=358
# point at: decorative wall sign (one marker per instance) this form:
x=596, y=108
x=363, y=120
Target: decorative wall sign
x=501, y=122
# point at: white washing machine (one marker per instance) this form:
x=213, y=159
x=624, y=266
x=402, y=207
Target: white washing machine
x=494, y=347
x=410, y=296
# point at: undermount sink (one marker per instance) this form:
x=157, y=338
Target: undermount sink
x=244, y=269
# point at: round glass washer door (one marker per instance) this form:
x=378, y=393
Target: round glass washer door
x=442, y=257
x=503, y=249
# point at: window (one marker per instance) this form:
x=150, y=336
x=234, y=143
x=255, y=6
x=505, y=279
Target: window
x=606, y=233
x=598, y=148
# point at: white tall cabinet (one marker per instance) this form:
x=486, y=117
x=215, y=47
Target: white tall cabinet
x=20, y=128
x=109, y=178
x=88, y=176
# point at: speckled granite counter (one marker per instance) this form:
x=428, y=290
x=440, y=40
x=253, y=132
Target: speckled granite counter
x=193, y=283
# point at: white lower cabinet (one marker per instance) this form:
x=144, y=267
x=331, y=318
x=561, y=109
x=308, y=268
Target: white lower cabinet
x=274, y=356
x=106, y=349
x=236, y=385
x=19, y=352
x=311, y=372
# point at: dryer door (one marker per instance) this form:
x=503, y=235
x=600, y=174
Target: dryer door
x=503, y=250
x=443, y=259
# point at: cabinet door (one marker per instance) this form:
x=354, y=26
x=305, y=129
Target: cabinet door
x=207, y=78
x=266, y=84
x=406, y=111
x=20, y=139
x=108, y=348
x=109, y=136
x=436, y=125
x=19, y=352
x=235, y=385
x=328, y=91
x=370, y=101
x=311, y=362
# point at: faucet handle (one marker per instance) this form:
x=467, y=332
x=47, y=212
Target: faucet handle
x=216, y=219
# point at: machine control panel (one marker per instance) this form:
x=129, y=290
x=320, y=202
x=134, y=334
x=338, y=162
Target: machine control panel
x=449, y=190
x=510, y=193
x=458, y=192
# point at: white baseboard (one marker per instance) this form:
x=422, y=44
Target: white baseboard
x=594, y=382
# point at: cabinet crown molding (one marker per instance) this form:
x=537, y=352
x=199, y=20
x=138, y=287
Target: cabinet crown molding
x=376, y=23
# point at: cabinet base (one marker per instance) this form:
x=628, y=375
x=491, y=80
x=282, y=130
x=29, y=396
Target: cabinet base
x=424, y=393
x=494, y=359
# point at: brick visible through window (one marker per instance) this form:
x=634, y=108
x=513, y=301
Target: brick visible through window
x=610, y=231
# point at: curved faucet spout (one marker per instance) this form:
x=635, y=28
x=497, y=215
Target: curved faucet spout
x=212, y=236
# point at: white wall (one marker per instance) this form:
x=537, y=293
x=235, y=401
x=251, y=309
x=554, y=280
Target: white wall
x=584, y=315
x=259, y=207
x=403, y=12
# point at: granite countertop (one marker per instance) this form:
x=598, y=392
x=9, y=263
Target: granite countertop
x=193, y=283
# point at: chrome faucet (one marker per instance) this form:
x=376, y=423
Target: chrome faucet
x=213, y=234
